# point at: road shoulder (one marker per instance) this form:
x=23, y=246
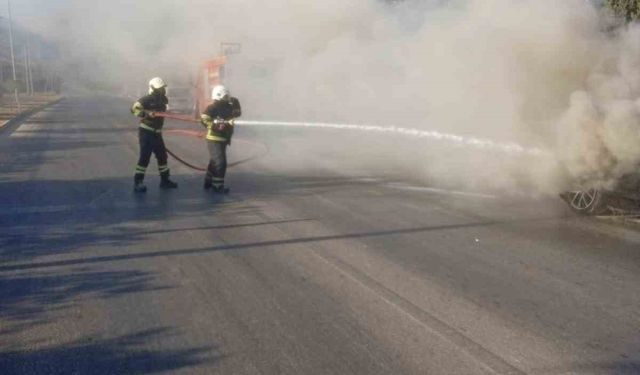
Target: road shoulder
x=9, y=115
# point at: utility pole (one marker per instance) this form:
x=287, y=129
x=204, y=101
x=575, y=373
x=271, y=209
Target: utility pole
x=1, y=65
x=30, y=67
x=13, y=56
x=26, y=69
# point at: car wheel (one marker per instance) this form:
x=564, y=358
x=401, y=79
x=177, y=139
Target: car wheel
x=587, y=202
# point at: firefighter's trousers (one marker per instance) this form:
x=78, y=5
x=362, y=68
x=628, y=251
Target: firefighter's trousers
x=151, y=142
x=217, y=168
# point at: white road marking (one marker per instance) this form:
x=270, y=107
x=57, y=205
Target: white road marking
x=25, y=130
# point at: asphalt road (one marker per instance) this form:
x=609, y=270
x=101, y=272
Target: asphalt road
x=308, y=267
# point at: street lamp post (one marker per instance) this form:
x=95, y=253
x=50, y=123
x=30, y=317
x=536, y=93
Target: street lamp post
x=13, y=57
x=26, y=69
x=30, y=68
x=2, y=62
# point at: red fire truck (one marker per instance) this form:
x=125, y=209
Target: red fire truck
x=209, y=74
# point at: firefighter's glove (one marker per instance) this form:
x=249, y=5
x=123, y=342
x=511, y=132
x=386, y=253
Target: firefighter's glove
x=220, y=124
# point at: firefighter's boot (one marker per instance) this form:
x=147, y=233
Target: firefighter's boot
x=221, y=189
x=207, y=184
x=165, y=182
x=138, y=184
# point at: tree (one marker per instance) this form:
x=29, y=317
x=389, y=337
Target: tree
x=628, y=9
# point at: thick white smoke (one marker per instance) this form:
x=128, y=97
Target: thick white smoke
x=541, y=73
x=599, y=134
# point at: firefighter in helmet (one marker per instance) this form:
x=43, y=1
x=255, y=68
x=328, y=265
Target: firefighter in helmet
x=218, y=118
x=150, y=135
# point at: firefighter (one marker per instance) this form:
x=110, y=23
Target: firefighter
x=218, y=118
x=150, y=135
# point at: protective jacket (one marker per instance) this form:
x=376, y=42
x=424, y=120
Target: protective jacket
x=150, y=103
x=226, y=109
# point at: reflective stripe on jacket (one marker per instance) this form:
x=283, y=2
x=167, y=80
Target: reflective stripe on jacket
x=225, y=109
x=151, y=103
x=213, y=131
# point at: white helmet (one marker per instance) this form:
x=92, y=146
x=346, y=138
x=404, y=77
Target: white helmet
x=156, y=84
x=219, y=92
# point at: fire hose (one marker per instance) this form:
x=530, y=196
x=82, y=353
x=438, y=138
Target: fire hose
x=185, y=163
x=185, y=118
x=174, y=116
x=193, y=133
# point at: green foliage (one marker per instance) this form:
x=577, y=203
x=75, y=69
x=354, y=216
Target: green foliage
x=628, y=9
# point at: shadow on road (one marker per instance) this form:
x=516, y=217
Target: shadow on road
x=120, y=355
x=53, y=217
x=46, y=217
x=249, y=245
x=621, y=367
x=26, y=154
x=32, y=298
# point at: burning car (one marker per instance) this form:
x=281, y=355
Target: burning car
x=623, y=197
